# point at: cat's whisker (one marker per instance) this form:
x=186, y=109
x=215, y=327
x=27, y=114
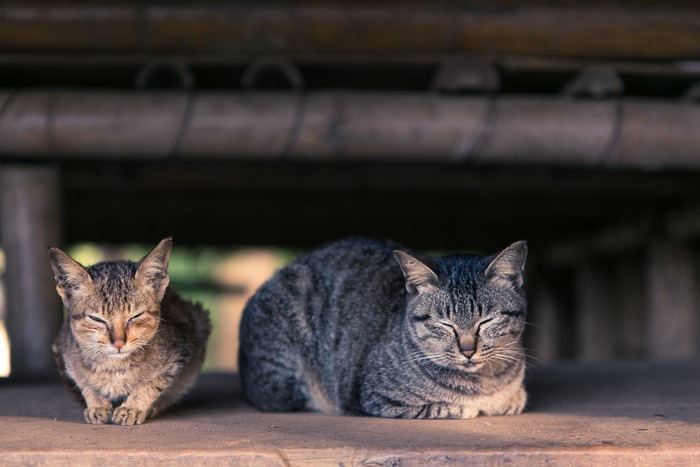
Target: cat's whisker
x=509, y=344
x=509, y=358
x=529, y=357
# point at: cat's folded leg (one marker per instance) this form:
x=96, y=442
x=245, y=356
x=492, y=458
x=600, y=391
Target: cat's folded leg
x=467, y=412
x=517, y=403
x=512, y=406
x=428, y=411
x=449, y=411
x=99, y=409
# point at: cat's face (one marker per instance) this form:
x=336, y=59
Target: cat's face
x=466, y=313
x=114, y=307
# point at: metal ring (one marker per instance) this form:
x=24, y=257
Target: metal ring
x=284, y=67
x=145, y=79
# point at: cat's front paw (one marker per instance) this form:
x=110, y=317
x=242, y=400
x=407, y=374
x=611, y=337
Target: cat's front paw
x=129, y=416
x=98, y=415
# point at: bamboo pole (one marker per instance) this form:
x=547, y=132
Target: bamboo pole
x=535, y=130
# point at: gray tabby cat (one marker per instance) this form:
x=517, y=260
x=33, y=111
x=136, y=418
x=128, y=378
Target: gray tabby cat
x=129, y=346
x=363, y=327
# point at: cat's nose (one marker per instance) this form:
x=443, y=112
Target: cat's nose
x=118, y=344
x=468, y=351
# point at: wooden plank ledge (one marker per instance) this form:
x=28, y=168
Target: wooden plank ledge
x=618, y=414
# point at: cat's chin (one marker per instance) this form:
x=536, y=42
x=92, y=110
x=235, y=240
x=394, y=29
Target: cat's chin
x=472, y=367
x=119, y=355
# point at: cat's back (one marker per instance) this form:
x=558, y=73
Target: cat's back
x=363, y=259
x=187, y=320
x=338, y=275
x=309, y=328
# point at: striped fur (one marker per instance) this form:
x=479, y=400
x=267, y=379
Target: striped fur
x=369, y=328
x=129, y=346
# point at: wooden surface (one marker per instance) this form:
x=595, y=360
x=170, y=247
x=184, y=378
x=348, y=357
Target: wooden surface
x=31, y=222
x=623, y=414
x=639, y=29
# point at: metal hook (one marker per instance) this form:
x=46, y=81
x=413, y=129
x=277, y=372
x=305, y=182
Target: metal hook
x=255, y=73
x=165, y=74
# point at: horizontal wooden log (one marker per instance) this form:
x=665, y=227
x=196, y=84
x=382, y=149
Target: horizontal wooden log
x=639, y=29
x=536, y=130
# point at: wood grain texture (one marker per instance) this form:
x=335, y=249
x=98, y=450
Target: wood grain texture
x=639, y=30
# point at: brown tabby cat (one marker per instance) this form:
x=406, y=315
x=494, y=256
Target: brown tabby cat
x=129, y=346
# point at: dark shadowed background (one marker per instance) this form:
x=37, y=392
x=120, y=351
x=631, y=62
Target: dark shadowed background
x=251, y=131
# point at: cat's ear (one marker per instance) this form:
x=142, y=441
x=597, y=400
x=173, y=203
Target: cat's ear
x=506, y=269
x=152, y=270
x=72, y=280
x=419, y=276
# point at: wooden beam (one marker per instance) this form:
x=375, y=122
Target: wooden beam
x=638, y=30
x=653, y=134
x=30, y=223
x=596, y=312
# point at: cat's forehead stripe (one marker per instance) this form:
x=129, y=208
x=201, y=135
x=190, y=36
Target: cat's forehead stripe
x=114, y=282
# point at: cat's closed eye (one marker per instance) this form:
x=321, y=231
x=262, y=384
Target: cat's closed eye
x=512, y=313
x=448, y=329
x=482, y=323
x=135, y=317
x=420, y=318
x=97, y=319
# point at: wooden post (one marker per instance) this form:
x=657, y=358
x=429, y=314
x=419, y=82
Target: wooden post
x=632, y=339
x=671, y=282
x=543, y=337
x=29, y=224
x=596, y=317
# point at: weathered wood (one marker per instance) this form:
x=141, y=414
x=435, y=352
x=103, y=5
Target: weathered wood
x=543, y=311
x=596, y=312
x=29, y=224
x=639, y=30
x=672, y=280
x=631, y=336
x=534, y=130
